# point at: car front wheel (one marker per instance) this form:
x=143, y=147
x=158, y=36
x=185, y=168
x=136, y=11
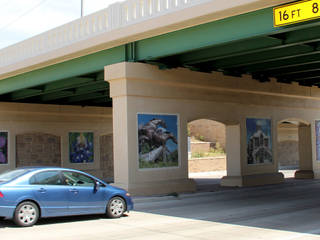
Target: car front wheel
x=116, y=207
x=26, y=214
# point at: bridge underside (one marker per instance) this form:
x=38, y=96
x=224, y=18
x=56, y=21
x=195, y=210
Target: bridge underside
x=244, y=44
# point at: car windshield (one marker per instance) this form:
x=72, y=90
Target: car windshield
x=11, y=174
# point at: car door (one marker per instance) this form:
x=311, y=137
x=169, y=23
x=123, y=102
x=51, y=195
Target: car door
x=50, y=192
x=84, y=198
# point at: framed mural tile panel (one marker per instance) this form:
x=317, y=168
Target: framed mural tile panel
x=3, y=147
x=259, y=141
x=317, y=125
x=81, y=147
x=158, y=140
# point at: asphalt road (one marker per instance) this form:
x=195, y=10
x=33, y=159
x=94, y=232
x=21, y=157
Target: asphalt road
x=289, y=211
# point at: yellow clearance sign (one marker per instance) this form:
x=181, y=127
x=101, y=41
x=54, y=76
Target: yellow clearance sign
x=296, y=12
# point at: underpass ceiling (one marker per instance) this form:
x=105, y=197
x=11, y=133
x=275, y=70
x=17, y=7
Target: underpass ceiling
x=244, y=44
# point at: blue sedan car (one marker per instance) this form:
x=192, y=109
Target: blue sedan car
x=26, y=194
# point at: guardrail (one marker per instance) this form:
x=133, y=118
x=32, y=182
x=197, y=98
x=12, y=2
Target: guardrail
x=117, y=15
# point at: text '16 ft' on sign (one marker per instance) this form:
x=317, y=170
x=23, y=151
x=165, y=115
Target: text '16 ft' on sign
x=296, y=12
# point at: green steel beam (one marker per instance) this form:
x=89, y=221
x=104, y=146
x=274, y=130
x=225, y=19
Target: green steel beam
x=102, y=100
x=79, y=66
x=238, y=48
x=88, y=97
x=92, y=88
x=251, y=46
x=316, y=77
x=266, y=56
x=67, y=83
x=51, y=87
x=56, y=95
x=305, y=35
x=294, y=68
x=301, y=76
x=100, y=76
x=229, y=30
x=294, y=61
x=287, y=73
x=96, y=87
x=25, y=93
x=131, y=52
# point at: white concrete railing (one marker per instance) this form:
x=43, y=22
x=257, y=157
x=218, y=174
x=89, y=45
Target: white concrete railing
x=115, y=16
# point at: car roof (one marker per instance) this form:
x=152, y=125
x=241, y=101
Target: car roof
x=33, y=168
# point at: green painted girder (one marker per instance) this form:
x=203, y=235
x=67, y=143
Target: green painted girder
x=206, y=35
x=297, y=68
x=25, y=93
x=294, y=61
x=302, y=75
x=56, y=95
x=306, y=35
x=251, y=46
x=102, y=100
x=76, y=67
x=302, y=78
x=295, y=72
x=229, y=30
x=94, y=87
x=235, y=49
x=88, y=97
x=51, y=87
x=67, y=83
x=285, y=53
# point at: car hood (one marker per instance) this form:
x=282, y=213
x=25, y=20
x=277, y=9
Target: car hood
x=116, y=188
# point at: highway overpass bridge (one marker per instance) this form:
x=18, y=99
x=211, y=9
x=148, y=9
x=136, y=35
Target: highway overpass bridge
x=112, y=93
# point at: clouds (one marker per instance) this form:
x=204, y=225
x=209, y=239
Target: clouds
x=23, y=19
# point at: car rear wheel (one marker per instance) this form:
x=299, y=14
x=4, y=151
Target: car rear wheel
x=26, y=214
x=116, y=207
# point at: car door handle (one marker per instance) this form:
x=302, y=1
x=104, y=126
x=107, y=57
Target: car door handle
x=75, y=191
x=42, y=190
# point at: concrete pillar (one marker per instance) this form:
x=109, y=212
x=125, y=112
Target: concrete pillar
x=305, y=153
x=233, y=177
x=239, y=172
x=127, y=104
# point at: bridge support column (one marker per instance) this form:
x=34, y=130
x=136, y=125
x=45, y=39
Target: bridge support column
x=233, y=149
x=305, y=153
x=129, y=93
x=239, y=172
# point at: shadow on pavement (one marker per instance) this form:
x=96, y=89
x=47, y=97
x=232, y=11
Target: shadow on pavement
x=291, y=206
x=4, y=223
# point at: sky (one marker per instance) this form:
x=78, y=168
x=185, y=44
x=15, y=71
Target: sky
x=22, y=19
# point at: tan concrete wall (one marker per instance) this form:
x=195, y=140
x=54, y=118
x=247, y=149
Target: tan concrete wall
x=106, y=157
x=20, y=119
x=38, y=149
x=144, y=88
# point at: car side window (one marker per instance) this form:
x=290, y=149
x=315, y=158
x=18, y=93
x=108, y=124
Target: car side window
x=77, y=179
x=46, y=178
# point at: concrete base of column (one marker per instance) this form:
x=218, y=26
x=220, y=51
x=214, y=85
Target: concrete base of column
x=160, y=187
x=252, y=180
x=304, y=174
x=231, y=181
